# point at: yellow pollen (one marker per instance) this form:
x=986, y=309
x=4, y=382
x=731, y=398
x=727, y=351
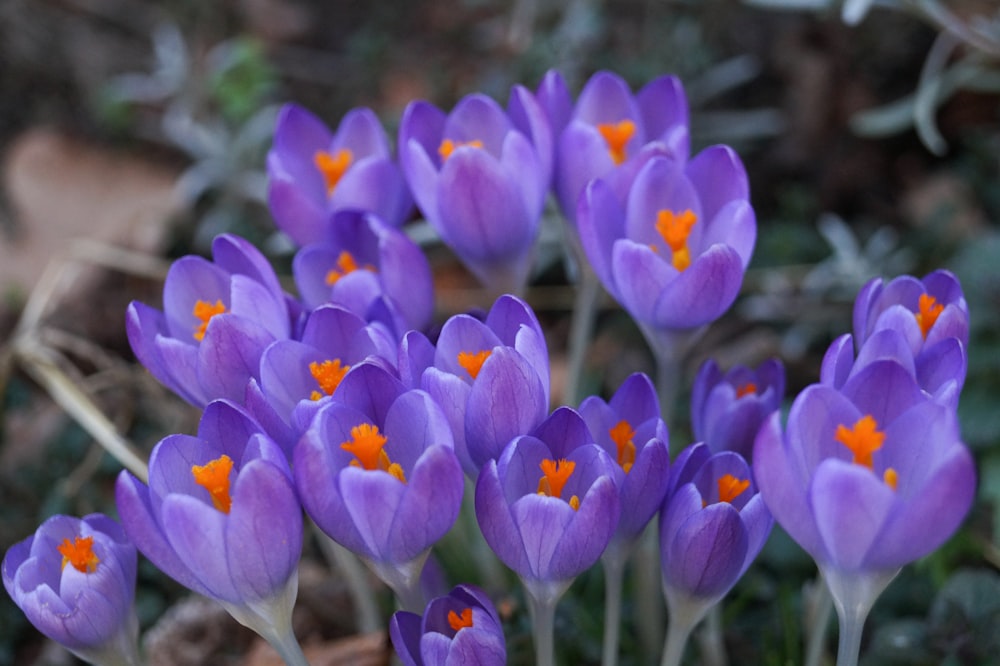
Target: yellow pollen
x=555, y=473
x=366, y=445
x=328, y=375
x=459, y=622
x=473, y=361
x=746, y=389
x=346, y=263
x=204, y=311
x=617, y=135
x=674, y=229
x=622, y=435
x=862, y=439
x=213, y=476
x=730, y=487
x=448, y=146
x=929, y=311
x=79, y=553
x=890, y=477
x=333, y=166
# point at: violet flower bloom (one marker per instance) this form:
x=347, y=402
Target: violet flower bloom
x=674, y=253
x=712, y=526
x=377, y=472
x=74, y=579
x=221, y=517
x=298, y=376
x=728, y=408
x=603, y=133
x=370, y=268
x=314, y=172
x=461, y=628
x=480, y=176
x=491, y=378
x=217, y=319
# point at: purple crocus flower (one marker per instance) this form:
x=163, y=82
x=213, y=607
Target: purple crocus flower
x=480, y=176
x=74, y=579
x=602, y=135
x=728, y=408
x=491, y=378
x=217, y=319
x=314, y=172
x=220, y=516
x=674, y=252
x=461, y=628
x=377, y=471
x=370, y=268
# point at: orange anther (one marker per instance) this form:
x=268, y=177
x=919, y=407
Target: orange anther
x=617, y=135
x=730, y=487
x=79, y=553
x=473, y=361
x=862, y=439
x=328, y=375
x=459, y=622
x=204, y=311
x=213, y=476
x=333, y=166
x=622, y=435
x=928, y=312
x=675, y=228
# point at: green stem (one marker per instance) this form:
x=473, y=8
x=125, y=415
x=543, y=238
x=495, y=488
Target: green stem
x=819, y=608
x=854, y=593
x=614, y=577
x=404, y=579
x=543, y=597
x=271, y=618
x=648, y=599
x=685, y=614
x=354, y=575
x=581, y=330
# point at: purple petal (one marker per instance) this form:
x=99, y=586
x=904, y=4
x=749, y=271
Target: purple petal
x=703, y=292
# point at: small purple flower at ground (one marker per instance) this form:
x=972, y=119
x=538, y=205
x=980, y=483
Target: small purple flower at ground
x=217, y=319
x=314, y=172
x=728, y=408
x=480, y=176
x=461, y=628
x=74, y=579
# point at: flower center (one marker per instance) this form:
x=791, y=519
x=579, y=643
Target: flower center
x=928, y=312
x=617, y=135
x=622, y=435
x=79, y=553
x=745, y=389
x=328, y=375
x=459, y=622
x=473, y=361
x=213, y=476
x=555, y=473
x=346, y=263
x=333, y=166
x=366, y=445
x=863, y=439
x=730, y=487
x=204, y=311
x=675, y=228
x=448, y=146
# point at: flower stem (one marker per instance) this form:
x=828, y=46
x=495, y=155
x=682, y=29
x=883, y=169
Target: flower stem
x=581, y=329
x=543, y=597
x=678, y=632
x=820, y=605
x=614, y=577
x=854, y=593
x=404, y=579
x=362, y=595
x=711, y=641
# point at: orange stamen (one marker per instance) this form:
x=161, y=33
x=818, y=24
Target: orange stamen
x=622, y=435
x=674, y=229
x=204, y=311
x=79, y=553
x=448, y=146
x=473, y=361
x=333, y=166
x=617, y=135
x=730, y=487
x=555, y=474
x=346, y=263
x=366, y=445
x=328, y=375
x=862, y=439
x=213, y=476
x=745, y=389
x=891, y=478
x=929, y=311
x=459, y=622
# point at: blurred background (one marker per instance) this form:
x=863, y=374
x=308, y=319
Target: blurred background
x=133, y=132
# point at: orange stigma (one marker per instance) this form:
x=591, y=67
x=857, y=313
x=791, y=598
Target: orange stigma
x=473, y=362
x=213, y=476
x=929, y=311
x=333, y=166
x=674, y=229
x=622, y=435
x=346, y=263
x=328, y=375
x=366, y=445
x=863, y=439
x=448, y=146
x=555, y=474
x=617, y=135
x=745, y=389
x=79, y=553
x=730, y=487
x=204, y=311
x=459, y=622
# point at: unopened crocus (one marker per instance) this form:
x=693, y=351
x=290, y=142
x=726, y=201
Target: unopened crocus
x=461, y=628
x=217, y=318
x=314, y=172
x=74, y=579
x=866, y=479
x=490, y=376
x=481, y=179
x=712, y=526
x=377, y=472
x=727, y=408
x=221, y=517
